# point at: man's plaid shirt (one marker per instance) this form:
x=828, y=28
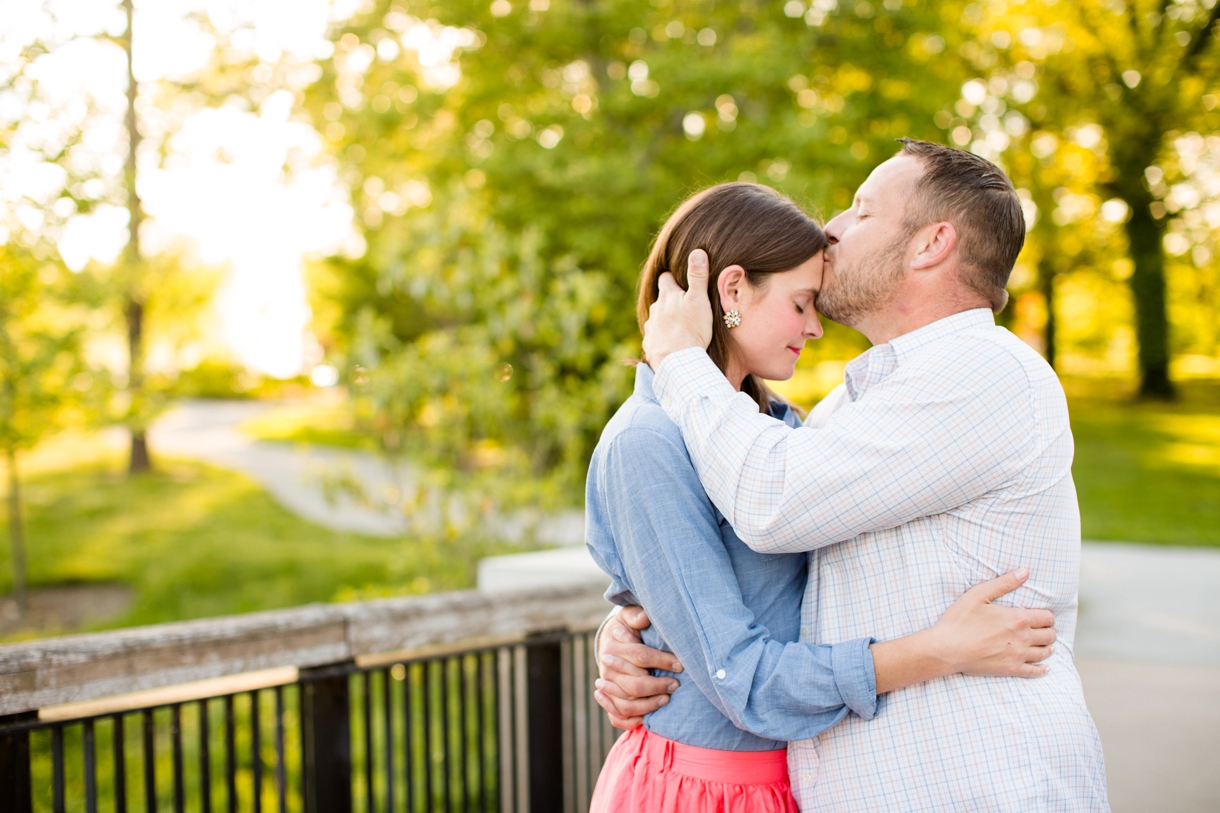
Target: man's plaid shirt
x=946, y=463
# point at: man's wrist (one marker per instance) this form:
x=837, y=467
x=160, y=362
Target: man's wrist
x=597, y=636
x=686, y=373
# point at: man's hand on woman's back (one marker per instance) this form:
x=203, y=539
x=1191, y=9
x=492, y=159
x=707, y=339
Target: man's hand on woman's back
x=626, y=689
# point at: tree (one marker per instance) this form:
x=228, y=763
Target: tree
x=45, y=382
x=509, y=164
x=1140, y=71
x=133, y=305
x=73, y=139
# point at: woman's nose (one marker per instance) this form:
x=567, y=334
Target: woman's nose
x=813, y=328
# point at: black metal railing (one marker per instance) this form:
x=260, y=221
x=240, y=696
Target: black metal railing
x=509, y=728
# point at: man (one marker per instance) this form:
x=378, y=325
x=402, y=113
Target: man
x=945, y=461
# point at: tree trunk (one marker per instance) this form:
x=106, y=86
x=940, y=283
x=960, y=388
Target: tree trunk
x=1144, y=234
x=140, y=460
x=16, y=530
x=1046, y=282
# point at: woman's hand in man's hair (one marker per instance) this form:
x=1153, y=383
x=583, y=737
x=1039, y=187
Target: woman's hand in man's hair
x=625, y=689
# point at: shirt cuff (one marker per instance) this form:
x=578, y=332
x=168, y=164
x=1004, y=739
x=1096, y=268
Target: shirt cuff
x=686, y=375
x=852, y=663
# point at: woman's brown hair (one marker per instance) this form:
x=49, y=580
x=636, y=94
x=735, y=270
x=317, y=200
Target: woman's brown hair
x=742, y=224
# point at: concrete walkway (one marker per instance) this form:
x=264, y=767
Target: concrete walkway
x=304, y=479
x=1148, y=651
x=1147, y=647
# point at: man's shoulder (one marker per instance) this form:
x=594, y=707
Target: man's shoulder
x=989, y=353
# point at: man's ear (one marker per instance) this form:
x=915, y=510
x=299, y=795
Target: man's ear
x=933, y=245
x=731, y=284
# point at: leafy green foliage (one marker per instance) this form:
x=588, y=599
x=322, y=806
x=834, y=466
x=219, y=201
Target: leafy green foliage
x=45, y=382
x=510, y=165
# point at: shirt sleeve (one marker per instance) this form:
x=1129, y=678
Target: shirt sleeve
x=912, y=446
x=668, y=538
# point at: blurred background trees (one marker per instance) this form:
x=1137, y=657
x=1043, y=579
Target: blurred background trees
x=456, y=198
x=508, y=163
x=46, y=384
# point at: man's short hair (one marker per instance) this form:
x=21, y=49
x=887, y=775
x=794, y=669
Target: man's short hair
x=979, y=200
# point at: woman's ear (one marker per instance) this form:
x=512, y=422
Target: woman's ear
x=731, y=284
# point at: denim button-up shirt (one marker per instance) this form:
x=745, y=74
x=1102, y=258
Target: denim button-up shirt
x=732, y=616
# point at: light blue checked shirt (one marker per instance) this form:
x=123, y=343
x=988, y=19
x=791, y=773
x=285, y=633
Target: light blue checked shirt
x=732, y=616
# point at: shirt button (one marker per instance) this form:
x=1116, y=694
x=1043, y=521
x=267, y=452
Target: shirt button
x=667, y=401
x=720, y=674
x=804, y=632
x=806, y=778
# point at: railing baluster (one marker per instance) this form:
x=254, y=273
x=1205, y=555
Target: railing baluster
x=281, y=773
x=205, y=758
x=567, y=726
x=118, y=750
x=16, y=782
x=463, y=663
x=175, y=733
x=408, y=738
x=89, y=749
x=370, y=804
x=543, y=719
x=57, y=769
x=256, y=753
x=481, y=729
x=580, y=698
x=230, y=754
x=387, y=716
x=150, y=761
x=326, y=768
x=446, y=732
x=505, y=745
x=427, y=709
x=521, y=720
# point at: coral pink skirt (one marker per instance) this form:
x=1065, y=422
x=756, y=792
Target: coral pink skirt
x=646, y=773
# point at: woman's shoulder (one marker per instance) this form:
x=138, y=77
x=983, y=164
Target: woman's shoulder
x=640, y=421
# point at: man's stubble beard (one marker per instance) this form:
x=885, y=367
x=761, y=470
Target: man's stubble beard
x=868, y=285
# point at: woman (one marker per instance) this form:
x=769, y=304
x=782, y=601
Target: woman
x=729, y=614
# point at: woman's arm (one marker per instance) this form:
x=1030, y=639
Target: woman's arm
x=974, y=637
x=668, y=540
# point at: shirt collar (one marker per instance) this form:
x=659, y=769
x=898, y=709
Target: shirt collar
x=643, y=382
x=908, y=343
x=870, y=367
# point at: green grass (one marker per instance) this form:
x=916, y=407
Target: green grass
x=1147, y=471
x=194, y=541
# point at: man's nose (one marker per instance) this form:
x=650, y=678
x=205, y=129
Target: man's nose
x=834, y=229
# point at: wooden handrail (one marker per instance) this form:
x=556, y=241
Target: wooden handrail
x=78, y=668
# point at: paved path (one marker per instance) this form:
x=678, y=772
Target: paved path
x=1148, y=651
x=1147, y=647
x=302, y=478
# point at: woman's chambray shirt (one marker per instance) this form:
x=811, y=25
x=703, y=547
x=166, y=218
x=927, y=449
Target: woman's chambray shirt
x=732, y=616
